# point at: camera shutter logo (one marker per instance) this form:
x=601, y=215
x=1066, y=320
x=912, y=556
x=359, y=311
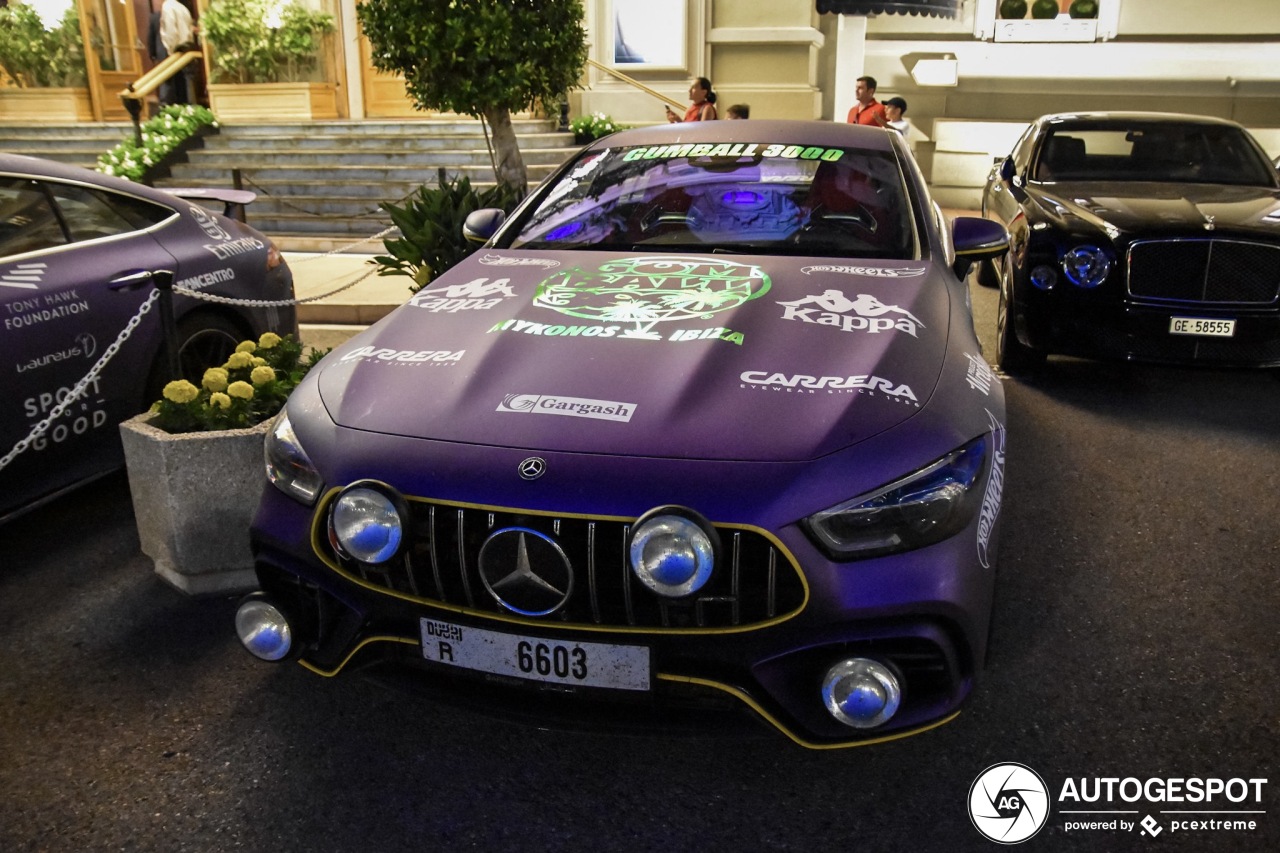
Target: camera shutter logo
x=1008, y=803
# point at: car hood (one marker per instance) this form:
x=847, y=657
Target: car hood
x=697, y=356
x=1127, y=207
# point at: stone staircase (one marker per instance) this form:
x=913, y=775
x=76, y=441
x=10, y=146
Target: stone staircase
x=319, y=184
x=78, y=144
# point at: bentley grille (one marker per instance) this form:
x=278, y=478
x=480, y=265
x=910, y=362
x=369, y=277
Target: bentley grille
x=755, y=582
x=1229, y=272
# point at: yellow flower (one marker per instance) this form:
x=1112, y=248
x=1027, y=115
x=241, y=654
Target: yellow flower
x=215, y=379
x=180, y=391
x=258, y=361
x=241, y=389
x=246, y=346
x=219, y=400
x=239, y=360
x=268, y=340
x=262, y=375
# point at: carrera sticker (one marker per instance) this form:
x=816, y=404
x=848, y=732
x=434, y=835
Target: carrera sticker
x=869, y=314
x=505, y=261
x=990, y=510
x=84, y=347
x=629, y=298
x=207, y=279
x=875, y=272
x=979, y=374
x=574, y=407
x=477, y=295
x=406, y=357
x=804, y=384
x=41, y=309
x=23, y=276
x=740, y=149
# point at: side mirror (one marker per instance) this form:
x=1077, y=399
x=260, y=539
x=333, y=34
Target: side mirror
x=1007, y=170
x=482, y=224
x=975, y=240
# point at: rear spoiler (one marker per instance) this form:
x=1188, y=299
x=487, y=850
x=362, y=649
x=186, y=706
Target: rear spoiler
x=233, y=201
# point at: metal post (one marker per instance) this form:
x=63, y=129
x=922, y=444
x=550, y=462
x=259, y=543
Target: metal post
x=564, y=113
x=134, y=107
x=169, y=326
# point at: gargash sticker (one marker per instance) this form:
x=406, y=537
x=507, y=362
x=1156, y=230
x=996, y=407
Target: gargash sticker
x=574, y=407
x=631, y=297
x=865, y=313
x=477, y=295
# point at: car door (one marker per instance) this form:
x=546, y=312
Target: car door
x=63, y=248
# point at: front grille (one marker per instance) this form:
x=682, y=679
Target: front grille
x=756, y=581
x=1227, y=272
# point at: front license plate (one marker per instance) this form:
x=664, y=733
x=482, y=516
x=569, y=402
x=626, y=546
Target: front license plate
x=617, y=667
x=1202, y=326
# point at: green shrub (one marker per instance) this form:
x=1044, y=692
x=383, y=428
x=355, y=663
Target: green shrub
x=160, y=135
x=253, y=42
x=594, y=126
x=34, y=57
x=430, y=224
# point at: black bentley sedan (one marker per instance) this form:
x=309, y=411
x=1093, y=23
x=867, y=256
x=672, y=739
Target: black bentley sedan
x=1137, y=236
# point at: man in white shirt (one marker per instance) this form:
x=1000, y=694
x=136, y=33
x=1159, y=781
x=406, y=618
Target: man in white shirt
x=176, y=29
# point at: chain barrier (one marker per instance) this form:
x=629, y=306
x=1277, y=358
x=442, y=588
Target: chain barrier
x=78, y=389
x=278, y=200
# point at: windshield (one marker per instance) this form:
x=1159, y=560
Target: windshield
x=751, y=198
x=1152, y=151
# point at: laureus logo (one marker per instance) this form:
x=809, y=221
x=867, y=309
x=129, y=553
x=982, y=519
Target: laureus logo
x=1008, y=803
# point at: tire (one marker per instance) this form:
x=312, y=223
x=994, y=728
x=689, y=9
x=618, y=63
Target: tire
x=1012, y=356
x=205, y=339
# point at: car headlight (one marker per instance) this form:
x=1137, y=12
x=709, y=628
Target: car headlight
x=288, y=467
x=920, y=509
x=366, y=522
x=673, y=551
x=1086, y=266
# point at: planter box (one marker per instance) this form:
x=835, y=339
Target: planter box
x=194, y=496
x=46, y=106
x=271, y=102
x=1060, y=29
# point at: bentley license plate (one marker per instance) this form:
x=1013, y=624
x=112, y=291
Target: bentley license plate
x=1202, y=326
x=618, y=667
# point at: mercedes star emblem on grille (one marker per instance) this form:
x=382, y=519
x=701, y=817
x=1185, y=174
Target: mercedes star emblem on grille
x=526, y=571
x=533, y=468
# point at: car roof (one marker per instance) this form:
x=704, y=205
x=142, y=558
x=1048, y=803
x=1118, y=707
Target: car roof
x=1153, y=117
x=809, y=133
x=37, y=167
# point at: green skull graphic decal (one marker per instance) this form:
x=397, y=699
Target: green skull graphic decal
x=648, y=291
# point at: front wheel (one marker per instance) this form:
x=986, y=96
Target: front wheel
x=204, y=340
x=1012, y=356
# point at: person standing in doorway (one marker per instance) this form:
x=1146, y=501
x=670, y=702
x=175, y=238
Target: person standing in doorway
x=176, y=30
x=867, y=110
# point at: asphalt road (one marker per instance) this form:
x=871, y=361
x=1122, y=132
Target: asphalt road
x=1135, y=636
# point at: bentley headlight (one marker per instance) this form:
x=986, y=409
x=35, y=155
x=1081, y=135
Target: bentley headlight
x=672, y=551
x=920, y=509
x=1086, y=266
x=367, y=522
x=288, y=467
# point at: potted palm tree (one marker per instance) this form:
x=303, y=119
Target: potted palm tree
x=42, y=74
x=268, y=62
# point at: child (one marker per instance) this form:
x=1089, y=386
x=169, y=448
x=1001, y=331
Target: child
x=894, y=110
x=738, y=111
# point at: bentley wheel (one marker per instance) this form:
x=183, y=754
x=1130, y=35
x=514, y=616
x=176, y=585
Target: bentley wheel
x=1012, y=356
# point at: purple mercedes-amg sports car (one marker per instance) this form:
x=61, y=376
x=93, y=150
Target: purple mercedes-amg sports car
x=704, y=423
x=80, y=254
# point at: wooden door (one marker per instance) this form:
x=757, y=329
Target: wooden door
x=113, y=54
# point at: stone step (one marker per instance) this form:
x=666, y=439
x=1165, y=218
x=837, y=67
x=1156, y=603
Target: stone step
x=369, y=193
x=265, y=158
x=187, y=175
x=390, y=142
x=370, y=126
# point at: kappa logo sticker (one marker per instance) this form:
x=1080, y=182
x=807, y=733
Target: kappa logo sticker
x=476, y=295
x=865, y=313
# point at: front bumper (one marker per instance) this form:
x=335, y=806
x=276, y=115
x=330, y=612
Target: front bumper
x=915, y=612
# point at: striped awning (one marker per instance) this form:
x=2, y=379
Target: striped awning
x=939, y=8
